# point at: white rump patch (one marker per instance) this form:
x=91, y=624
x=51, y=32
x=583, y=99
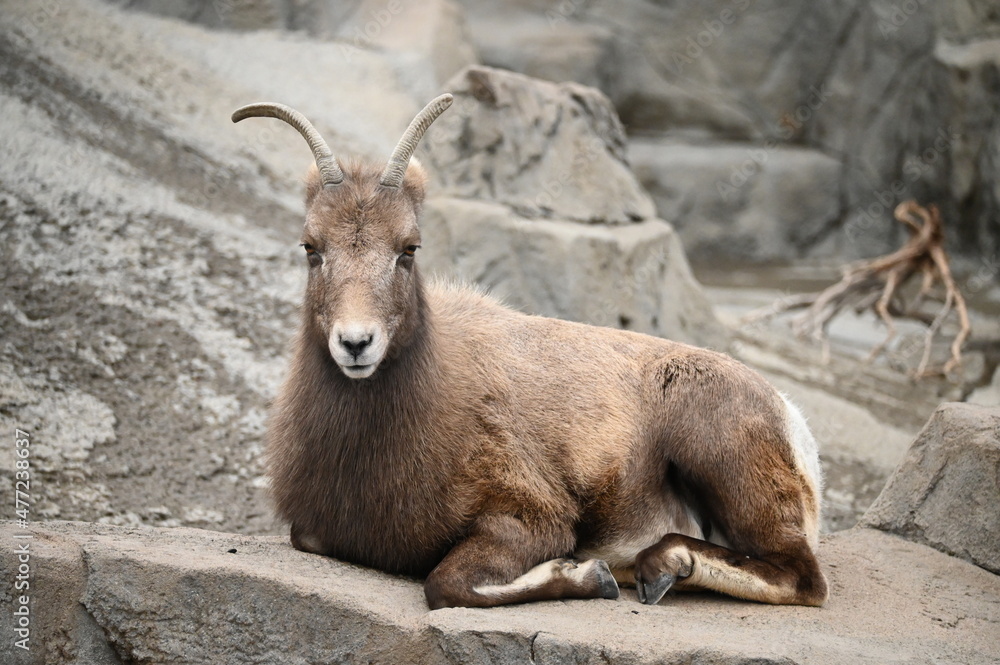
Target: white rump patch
x=804, y=445
x=806, y=453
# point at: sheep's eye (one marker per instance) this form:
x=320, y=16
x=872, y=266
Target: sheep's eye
x=311, y=253
x=411, y=250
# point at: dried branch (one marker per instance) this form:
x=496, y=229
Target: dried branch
x=878, y=285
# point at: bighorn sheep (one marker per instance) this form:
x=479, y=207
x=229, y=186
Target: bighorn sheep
x=426, y=429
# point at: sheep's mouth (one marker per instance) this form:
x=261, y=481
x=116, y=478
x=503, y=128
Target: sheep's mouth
x=358, y=371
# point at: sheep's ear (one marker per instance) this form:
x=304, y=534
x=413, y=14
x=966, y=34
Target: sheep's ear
x=313, y=184
x=415, y=183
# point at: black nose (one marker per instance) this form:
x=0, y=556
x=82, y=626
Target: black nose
x=356, y=347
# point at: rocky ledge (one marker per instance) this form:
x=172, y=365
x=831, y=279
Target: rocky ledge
x=104, y=594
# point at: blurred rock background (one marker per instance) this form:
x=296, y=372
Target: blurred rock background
x=150, y=274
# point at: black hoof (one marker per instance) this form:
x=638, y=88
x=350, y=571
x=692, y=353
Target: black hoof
x=606, y=581
x=651, y=593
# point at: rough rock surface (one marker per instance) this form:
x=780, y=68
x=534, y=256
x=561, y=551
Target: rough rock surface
x=550, y=50
x=904, y=95
x=988, y=395
x=545, y=150
x=425, y=40
x=739, y=201
x=944, y=494
x=106, y=595
x=633, y=276
x=239, y=14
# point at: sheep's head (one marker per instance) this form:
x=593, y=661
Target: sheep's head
x=360, y=238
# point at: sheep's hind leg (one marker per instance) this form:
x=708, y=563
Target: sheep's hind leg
x=496, y=565
x=556, y=578
x=792, y=577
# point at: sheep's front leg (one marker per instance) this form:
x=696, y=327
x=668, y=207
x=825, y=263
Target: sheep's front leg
x=503, y=561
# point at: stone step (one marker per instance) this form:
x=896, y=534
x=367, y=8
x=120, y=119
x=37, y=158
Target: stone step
x=740, y=201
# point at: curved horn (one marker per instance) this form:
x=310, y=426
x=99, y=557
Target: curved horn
x=329, y=169
x=394, y=171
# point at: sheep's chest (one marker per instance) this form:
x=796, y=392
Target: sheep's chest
x=399, y=514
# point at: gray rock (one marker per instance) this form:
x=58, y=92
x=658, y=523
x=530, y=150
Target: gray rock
x=425, y=41
x=316, y=17
x=944, y=492
x=229, y=14
x=926, y=132
x=632, y=276
x=185, y=596
x=964, y=21
x=683, y=66
x=60, y=629
x=988, y=395
x=545, y=150
x=66, y=423
x=744, y=202
x=547, y=45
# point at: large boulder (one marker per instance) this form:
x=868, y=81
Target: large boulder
x=106, y=595
x=545, y=150
x=532, y=196
x=944, y=493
